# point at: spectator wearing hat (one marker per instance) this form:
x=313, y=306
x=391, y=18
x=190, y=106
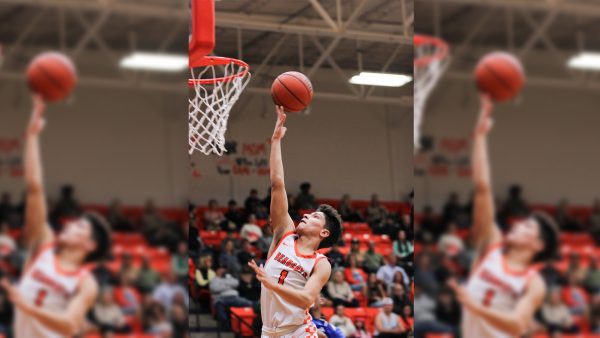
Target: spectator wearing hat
x=387, y=323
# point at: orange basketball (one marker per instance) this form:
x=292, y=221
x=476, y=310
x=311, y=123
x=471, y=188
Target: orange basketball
x=500, y=75
x=293, y=91
x=52, y=75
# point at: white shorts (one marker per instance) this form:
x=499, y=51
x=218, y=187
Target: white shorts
x=304, y=331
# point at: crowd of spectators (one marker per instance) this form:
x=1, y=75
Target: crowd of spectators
x=361, y=277
x=133, y=298
x=444, y=251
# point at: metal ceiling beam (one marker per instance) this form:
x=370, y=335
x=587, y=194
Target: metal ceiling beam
x=228, y=20
x=569, y=7
x=405, y=101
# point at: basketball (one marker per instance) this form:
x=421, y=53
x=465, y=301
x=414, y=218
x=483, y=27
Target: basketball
x=52, y=75
x=293, y=91
x=500, y=75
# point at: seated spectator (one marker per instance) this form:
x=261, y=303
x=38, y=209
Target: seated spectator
x=7, y=243
x=159, y=323
x=575, y=268
x=249, y=287
x=425, y=321
x=595, y=222
x=448, y=310
x=387, y=323
x=250, y=231
x=6, y=208
x=233, y=214
x=407, y=317
x=179, y=262
x=555, y=314
x=372, y=259
x=246, y=254
x=223, y=289
x=450, y=242
x=592, y=278
x=515, y=206
x=361, y=330
x=103, y=274
x=66, y=206
x=376, y=291
x=575, y=296
x=336, y=258
x=348, y=213
x=117, y=219
x=564, y=218
x=355, y=252
x=127, y=296
x=400, y=297
x=204, y=271
x=213, y=217
x=147, y=278
x=340, y=292
x=168, y=290
x=425, y=275
x=356, y=277
x=127, y=270
x=179, y=321
x=452, y=209
x=228, y=258
x=305, y=200
x=292, y=209
x=387, y=272
x=264, y=243
x=6, y=314
x=403, y=247
x=342, y=322
x=107, y=314
x=376, y=215
x=252, y=203
x=550, y=273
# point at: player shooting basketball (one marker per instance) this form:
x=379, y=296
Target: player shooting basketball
x=57, y=288
x=504, y=290
x=294, y=272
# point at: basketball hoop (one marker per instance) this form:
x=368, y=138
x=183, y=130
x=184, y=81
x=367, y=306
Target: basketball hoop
x=431, y=60
x=217, y=84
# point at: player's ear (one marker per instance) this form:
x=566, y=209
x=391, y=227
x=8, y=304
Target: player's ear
x=325, y=232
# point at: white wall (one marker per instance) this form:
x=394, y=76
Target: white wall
x=548, y=141
x=108, y=143
x=341, y=147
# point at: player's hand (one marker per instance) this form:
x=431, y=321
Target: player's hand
x=485, y=123
x=462, y=296
x=14, y=296
x=280, y=129
x=37, y=122
x=261, y=274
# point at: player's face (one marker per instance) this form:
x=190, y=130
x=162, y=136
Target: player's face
x=77, y=233
x=525, y=233
x=313, y=224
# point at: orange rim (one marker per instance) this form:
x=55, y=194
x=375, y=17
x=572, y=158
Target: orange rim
x=209, y=61
x=440, y=53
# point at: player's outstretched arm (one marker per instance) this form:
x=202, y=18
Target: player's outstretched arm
x=485, y=230
x=69, y=322
x=37, y=230
x=304, y=298
x=515, y=322
x=280, y=218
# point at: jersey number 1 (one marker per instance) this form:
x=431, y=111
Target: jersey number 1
x=282, y=276
x=41, y=295
x=487, y=298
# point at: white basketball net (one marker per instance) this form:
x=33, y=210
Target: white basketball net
x=210, y=104
x=426, y=77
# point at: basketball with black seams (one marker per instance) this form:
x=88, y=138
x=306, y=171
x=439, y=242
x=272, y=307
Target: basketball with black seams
x=293, y=91
x=500, y=75
x=52, y=75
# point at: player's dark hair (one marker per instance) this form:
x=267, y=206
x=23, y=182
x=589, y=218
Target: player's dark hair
x=548, y=235
x=100, y=235
x=333, y=223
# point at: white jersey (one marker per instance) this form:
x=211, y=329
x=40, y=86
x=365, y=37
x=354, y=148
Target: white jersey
x=45, y=284
x=287, y=266
x=493, y=284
